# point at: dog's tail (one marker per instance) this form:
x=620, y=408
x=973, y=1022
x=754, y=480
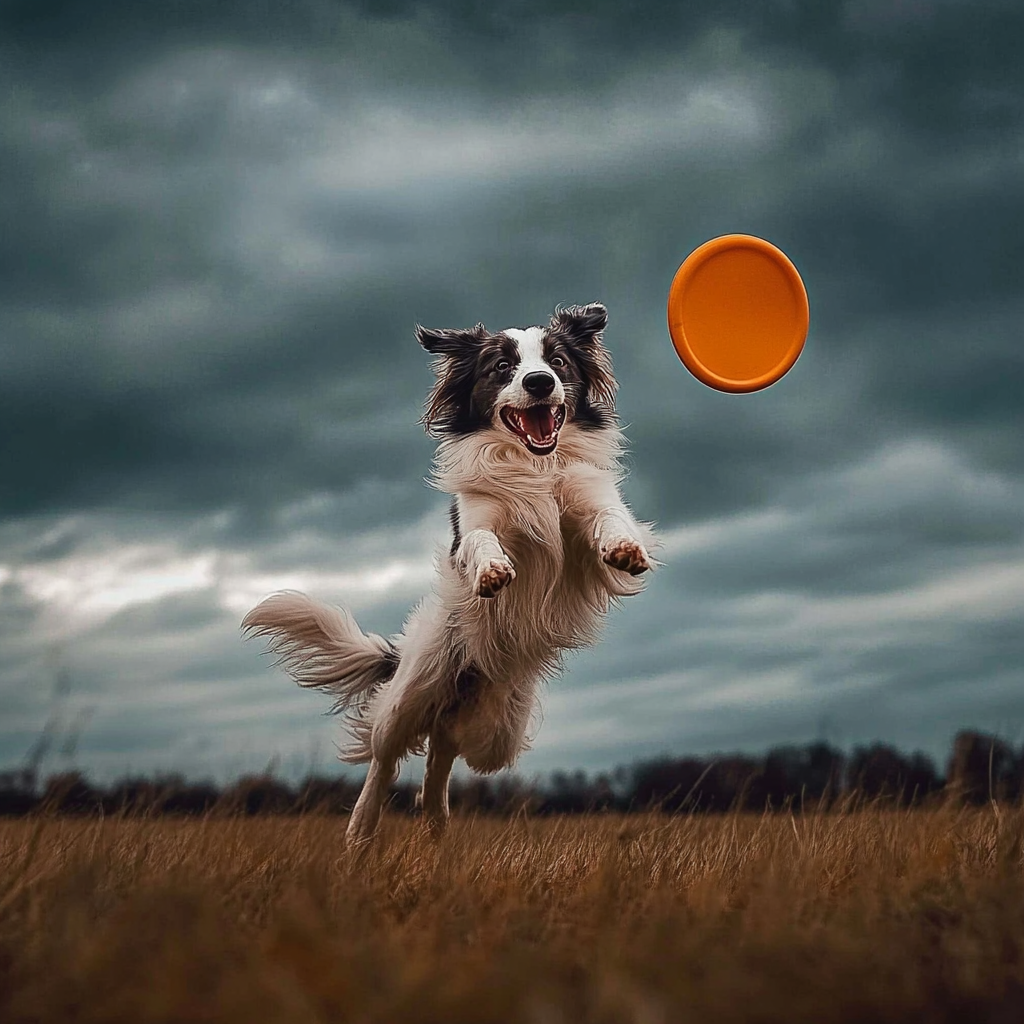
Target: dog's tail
x=322, y=647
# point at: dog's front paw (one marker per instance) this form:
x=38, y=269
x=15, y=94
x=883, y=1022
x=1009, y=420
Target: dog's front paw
x=495, y=576
x=626, y=556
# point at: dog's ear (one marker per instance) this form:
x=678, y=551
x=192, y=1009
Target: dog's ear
x=448, y=341
x=449, y=402
x=580, y=324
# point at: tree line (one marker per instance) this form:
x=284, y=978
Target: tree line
x=980, y=767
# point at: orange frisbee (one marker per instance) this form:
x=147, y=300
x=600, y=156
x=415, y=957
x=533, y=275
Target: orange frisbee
x=738, y=313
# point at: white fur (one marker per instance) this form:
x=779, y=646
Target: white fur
x=530, y=343
x=541, y=528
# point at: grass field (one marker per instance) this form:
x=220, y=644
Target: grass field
x=872, y=915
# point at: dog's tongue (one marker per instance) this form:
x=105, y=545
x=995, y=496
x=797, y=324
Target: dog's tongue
x=539, y=421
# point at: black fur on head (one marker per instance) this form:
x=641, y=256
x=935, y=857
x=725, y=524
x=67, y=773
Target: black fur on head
x=475, y=365
x=579, y=328
x=580, y=323
x=449, y=341
x=456, y=404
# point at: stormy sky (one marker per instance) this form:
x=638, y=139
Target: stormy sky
x=219, y=223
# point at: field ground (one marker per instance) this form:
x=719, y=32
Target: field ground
x=872, y=915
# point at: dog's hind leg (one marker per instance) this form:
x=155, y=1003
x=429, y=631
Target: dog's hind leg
x=367, y=811
x=402, y=712
x=441, y=754
x=394, y=734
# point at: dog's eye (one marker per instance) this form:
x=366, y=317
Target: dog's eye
x=557, y=361
x=503, y=366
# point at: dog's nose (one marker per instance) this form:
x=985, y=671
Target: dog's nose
x=539, y=384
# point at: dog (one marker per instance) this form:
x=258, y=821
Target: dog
x=530, y=450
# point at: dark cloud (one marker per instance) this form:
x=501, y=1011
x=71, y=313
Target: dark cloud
x=219, y=224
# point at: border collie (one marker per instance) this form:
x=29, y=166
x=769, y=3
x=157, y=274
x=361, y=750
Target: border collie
x=543, y=544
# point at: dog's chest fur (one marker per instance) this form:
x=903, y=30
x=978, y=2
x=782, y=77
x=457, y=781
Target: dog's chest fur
x=561, y=589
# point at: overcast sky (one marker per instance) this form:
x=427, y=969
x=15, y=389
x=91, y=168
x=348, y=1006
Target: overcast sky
x=219, y=223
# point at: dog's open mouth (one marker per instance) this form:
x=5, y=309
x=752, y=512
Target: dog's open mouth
x=536, y=426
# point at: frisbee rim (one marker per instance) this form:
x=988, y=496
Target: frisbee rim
x=676, y=321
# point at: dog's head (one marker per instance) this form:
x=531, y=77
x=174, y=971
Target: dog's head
x=526, y=382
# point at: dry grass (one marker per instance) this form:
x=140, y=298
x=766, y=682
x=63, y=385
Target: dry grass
x=873, y=915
